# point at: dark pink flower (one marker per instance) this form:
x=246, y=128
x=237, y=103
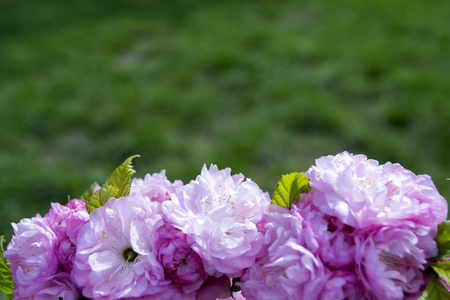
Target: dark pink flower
x=66, y=221
x=181, y=263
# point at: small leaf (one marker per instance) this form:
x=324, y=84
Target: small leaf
x=299, y=186
x=90, y=191
x=289, y=188
x=121, y=178
x=443, y=240
x=443, y=234
x=100, y=197
x=435, y=291
x=442, y=268
x=117, y=185
x=6, y=282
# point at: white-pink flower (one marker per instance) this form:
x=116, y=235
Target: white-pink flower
x=115, y=257
x=360, y=192
x=220, y=214
x=381, y=220
x=156, y=186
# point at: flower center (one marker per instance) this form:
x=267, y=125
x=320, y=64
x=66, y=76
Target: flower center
x=129, y=255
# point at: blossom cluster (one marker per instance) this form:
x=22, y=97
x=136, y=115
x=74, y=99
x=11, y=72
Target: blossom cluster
x=363, y=231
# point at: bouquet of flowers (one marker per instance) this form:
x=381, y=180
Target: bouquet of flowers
x=348, y=228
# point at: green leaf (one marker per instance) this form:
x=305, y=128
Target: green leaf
x=90, y=191
x=289, y=188
x=122, y=176
x=6, y=282
x=443, y=251
x=435, y=291
x=443, y=234
x=443, y=240
x=100, y=197
x=117, y=185
x=442, y=268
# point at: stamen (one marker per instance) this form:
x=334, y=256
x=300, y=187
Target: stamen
x=393, y=260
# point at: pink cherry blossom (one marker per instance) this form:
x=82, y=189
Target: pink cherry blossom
x=66, y=221
x=115, y=257
x=156, y=186
x=380, y=223
x=360, y=192
x=390, y=261
x=180, y=262
x=336, y=239
x=34, y=263
x=220, y=213
x=291, y=268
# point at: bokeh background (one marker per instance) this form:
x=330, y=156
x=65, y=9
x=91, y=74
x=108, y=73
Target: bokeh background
x=261, y=86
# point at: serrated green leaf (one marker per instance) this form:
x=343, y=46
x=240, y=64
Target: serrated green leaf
x=117, y=185
x=100, y=197
x=289, y=188
x=90, y=191
x=443, y=240
x=6, y=282
x=7, y=288
x=2, y=241
x=121, y=178
x=435, y=291
x=442, y=268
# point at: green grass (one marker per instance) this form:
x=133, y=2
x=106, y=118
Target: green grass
x=261, y=86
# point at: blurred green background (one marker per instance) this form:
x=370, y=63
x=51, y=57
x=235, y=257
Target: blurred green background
x=263, y=87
